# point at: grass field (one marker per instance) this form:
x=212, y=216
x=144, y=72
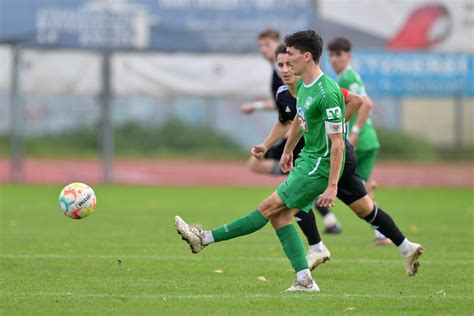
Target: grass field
x=127, y=258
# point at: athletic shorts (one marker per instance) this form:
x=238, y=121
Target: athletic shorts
x=276, y=151
x=350, y=187
x=301, y=189
x=365, y=163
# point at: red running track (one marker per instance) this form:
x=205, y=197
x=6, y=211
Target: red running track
x=151, y=172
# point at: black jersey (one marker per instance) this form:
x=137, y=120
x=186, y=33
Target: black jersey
x=286, y=105
x=276, y=83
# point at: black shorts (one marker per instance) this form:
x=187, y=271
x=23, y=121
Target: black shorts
x=350, y=187
x=276, y=151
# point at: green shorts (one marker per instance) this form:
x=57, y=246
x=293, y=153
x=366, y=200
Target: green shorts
x=300, y=189
x=365, y=163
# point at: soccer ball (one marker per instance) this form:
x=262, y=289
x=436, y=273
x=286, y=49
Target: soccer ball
x=77, y=200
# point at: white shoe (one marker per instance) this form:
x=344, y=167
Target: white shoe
x=412, y=259
x=193, y=235
x=315, y=257
x=306, y=285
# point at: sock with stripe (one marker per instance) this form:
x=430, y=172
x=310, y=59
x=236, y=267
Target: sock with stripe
x=385, y=224
x=242, y=226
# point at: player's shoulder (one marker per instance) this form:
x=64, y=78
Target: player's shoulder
x=280, y=91
x=328, y=85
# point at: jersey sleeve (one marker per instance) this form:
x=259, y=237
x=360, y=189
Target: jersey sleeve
x=345, y=92
x=331, y=111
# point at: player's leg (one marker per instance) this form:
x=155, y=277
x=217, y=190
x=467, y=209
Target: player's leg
x=331, y=224
x=378, y=218
x=365, y=165
x=317, y=252
x=271, y=163
x=352, y=192
x=272, y=208
x=264, y=166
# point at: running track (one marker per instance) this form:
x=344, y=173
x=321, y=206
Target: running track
x=151, y=172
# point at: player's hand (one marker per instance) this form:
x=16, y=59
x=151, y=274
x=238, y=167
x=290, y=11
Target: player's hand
x=247, y=108
x=353, y=139
x=259, y=151
x=328, y=197
x=286, y=162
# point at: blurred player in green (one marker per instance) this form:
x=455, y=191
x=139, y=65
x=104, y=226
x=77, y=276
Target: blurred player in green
x=361, y=132
x=320, y=110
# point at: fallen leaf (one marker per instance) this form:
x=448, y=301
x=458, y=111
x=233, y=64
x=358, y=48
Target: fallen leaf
x=441, y=292
x=350, y=308
x=262, y=279
x=219, y=271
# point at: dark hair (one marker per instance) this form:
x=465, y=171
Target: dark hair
x=269, y=33
x=340, y=44
x=281, y=49
x=306, y=41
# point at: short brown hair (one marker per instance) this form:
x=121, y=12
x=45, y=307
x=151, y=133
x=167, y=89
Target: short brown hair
x=340, y=44
x=269, y=33
x=281, y=49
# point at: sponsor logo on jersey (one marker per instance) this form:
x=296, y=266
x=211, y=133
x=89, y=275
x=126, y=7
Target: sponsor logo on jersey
x=302, y=118
x=333, y=113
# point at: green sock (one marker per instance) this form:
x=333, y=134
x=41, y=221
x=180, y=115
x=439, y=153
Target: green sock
x=242, y=226
x=292, y=244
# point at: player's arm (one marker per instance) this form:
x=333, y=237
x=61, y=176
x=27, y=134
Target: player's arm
x=353, y=103
x=266, y=105
x=337, y=154
x=286, y=161
x=364, y=112
x=279, y=130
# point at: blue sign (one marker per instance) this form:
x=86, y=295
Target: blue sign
x=162, y=25
x=414, y=74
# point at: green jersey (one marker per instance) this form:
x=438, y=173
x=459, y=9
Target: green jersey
x=320, y=110
x=367, y=140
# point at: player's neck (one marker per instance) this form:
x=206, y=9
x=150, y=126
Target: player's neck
x=311, y=73
x=292, y=89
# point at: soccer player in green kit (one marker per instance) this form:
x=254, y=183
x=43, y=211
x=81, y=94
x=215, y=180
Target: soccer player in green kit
x=316, y=173
x=361, y=132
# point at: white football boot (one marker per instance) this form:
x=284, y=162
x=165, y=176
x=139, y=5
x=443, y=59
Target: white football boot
x=305, y=285
x=193, y=235
x=315, y=257
x=412, y=258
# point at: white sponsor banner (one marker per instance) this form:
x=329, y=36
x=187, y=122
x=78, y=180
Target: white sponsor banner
x=191, y=74
x=157, y=75
x=442, y=25
x=59, y=72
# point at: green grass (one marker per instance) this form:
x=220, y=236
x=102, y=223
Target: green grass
x=52, y=265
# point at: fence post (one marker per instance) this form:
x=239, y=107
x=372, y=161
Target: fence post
x=106, y=119
x=17, y=121
x=458, y=123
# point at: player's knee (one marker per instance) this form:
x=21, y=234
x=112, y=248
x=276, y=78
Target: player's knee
x=280, y=220
x=362, y=207
x=254, y=165
x=270, y=206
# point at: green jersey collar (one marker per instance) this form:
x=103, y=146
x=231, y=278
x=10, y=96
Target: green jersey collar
x=315, y=80
x=348, y=67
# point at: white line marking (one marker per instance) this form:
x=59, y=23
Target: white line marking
x=238, y=295
x=193, y=257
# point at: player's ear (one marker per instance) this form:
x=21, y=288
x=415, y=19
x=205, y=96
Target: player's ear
x=308, y=57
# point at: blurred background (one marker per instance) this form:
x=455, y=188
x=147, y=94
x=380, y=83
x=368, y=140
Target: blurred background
x=140, y=91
